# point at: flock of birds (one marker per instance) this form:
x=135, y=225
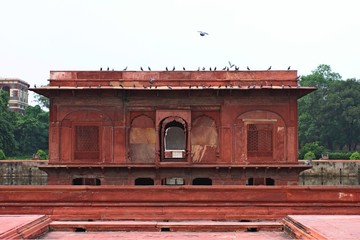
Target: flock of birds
x=226, y=68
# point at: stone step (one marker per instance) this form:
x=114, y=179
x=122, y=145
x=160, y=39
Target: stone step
x=163, y=226
x=23, y=226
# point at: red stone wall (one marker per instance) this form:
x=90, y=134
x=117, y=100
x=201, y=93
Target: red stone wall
x=129, y=131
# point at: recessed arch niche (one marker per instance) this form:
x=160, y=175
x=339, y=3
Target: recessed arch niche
x=204, y=140
x=259, y=137
x=142, y=140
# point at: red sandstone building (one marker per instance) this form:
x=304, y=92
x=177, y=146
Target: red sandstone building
x=173, y=127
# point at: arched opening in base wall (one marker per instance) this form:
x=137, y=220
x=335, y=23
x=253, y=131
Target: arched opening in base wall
x=269, y=182
x=144, y=181
x=202, y=181
x=86, y=181
x=260, y=181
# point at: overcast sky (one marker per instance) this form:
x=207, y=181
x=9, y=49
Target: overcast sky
x=41, y=35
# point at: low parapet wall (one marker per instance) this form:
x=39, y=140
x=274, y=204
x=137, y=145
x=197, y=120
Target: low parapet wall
x=26, y=172
x=333, y=168
x=22, y=172
x=177, y=203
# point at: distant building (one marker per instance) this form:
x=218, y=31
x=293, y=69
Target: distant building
x=18, y=92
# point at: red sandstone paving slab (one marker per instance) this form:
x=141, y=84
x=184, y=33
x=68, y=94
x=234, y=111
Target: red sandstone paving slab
x=9, y=222
x=331, y=226
x=166, y=235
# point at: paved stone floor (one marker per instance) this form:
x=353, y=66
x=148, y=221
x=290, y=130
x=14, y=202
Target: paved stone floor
x=343, y=227
x=331, y=226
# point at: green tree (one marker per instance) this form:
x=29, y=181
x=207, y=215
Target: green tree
x=43, y=101
x=314, y=147
x=355, y=156
x=342, y=112
x=2, y=155
x=309, y=156
x=32, y=130
x=311, y=124
x=331, y=114
x=7, y=119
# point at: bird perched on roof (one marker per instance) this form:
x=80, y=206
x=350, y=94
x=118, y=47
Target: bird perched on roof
x=269, y=68
x=152, y=80
x=149, y=68
x=248, y=68
x=203, y=33
x=125, y=69
x=166, y=69
x=184, y=68
x=141, y=69
x=173, y=68
x=289, y=67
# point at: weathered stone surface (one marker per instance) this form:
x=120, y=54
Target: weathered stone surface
x=18, y=172
x=177, y=203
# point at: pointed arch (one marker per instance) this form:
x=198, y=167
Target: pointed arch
x=174, y=139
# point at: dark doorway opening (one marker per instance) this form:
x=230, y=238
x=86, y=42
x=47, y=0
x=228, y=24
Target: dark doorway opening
x=86, y=181
x=202, y=181
x=260, y=181
x=269, y=182
x=144, y=181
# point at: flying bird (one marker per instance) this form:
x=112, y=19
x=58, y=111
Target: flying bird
x=269, y=68
x=203, y=33
x=231, y=65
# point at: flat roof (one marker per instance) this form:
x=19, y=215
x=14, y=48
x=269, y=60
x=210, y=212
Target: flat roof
x=174, y=80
